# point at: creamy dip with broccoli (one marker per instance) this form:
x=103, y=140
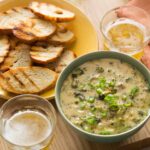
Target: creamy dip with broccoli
x=105, y=96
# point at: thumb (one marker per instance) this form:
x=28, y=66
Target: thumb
x=134, y=13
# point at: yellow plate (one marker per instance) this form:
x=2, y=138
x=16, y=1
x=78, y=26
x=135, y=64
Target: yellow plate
x=86, y=37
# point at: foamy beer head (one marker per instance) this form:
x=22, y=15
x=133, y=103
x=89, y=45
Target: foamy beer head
x=27, y=121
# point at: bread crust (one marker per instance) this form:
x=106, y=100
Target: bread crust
x=51, y=12
x=65, y=59
x=12, y=79
x=5, y=85
x=62, y=36
x=7, y=24
x=33, y=30
x=17, y=57
x=32, y=47
x=4, y=47
x=45, y=54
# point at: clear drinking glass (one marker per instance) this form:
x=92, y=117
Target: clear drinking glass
x=27, y=103
x=132, y=33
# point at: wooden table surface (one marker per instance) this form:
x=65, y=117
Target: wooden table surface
x=65, y=138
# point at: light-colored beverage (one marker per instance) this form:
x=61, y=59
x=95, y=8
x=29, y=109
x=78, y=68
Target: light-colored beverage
x=27, y=128
x=126, y=35
x=27, y=122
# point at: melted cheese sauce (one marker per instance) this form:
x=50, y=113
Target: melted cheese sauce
x=105, y=96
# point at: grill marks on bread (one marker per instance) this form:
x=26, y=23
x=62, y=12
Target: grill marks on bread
x=12, y=17
x=34, y=29
x=24, y=79
x=32, y=37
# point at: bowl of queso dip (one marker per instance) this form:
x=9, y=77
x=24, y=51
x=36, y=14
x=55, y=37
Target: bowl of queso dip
x=104, y=96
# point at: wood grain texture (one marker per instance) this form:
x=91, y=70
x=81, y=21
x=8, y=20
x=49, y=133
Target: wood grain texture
x=65, y=138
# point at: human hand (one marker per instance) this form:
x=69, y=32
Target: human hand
x=142, y=17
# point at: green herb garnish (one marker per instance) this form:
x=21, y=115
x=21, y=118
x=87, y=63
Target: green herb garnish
x=128, y=104
x=124, y=97
x=102, y=83
x=77, y=72
x=112, y=83
x=99, y=69
x=82, y=104
x=105, y=132
x=110, y=98
x=104, y=113
x=91, y=99
x=87, y=128
x=134, y=92
x=99, y=91
x=92, y=120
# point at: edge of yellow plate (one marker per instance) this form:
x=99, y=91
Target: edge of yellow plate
x=5, y=2
x=94, y=31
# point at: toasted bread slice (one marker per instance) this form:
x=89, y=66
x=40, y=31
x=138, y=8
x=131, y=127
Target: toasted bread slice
x=34, y=29
x=51, y=12
x=51, y=65
x=28, y=79
x=13, y=41
x=45, y=54
x=9, y=19
x=65, y=59
x=4, y=47
x=62, y=36
x=5, y=85
x=19, y=57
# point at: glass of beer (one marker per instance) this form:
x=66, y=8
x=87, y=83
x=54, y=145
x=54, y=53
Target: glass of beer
x=127, y=34
x=27, y=122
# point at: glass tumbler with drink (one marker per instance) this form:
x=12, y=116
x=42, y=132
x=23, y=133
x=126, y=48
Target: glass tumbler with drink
x=123, y=33
x=27, y=122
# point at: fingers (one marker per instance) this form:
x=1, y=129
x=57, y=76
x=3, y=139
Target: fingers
x=144, y=4
x=146, y=57
x=134, y=13
x=124, y=12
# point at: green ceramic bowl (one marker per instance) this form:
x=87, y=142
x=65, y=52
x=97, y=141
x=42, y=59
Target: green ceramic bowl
x=100, y=55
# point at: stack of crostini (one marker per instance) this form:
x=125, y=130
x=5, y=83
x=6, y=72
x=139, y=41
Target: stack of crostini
x=34, y=44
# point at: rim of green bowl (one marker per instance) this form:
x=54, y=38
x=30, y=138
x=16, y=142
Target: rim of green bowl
x=95, y=53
